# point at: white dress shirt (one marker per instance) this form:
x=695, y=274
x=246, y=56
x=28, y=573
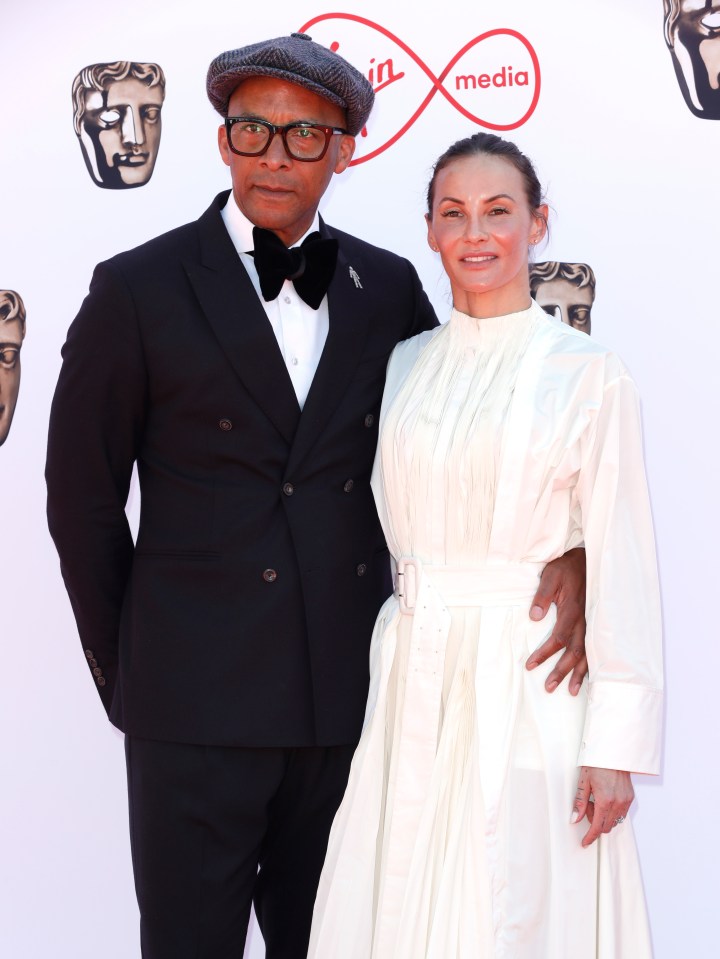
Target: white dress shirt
x=299, y=330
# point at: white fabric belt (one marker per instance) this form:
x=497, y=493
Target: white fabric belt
x=509, y=584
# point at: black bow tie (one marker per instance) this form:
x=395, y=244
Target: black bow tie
x=310, y=266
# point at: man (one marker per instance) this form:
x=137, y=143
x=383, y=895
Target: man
x=117, y=120
x=12, y=334
x=564, y=290
x=231, y=642
x=692, y=33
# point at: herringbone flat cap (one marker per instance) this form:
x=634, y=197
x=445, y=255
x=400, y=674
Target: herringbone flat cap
x=300, y=60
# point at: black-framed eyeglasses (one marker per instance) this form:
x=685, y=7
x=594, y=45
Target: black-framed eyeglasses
x=308, y=142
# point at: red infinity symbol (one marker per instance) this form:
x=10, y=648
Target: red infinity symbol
x=438, y=81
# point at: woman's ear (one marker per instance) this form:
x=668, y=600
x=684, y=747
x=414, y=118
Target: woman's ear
x=430, y=234
x=540, y=225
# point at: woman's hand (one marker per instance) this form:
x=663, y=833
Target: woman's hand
x=604, y=796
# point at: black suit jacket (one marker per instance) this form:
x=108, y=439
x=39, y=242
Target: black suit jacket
x=243, y=614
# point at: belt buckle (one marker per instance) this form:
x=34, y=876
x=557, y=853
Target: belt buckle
x=406, y=583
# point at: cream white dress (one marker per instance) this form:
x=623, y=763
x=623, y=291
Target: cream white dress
x=504, y=442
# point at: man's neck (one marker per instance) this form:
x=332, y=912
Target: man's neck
x=240, y=227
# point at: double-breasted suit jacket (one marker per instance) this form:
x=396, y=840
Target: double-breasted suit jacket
x=243, y=613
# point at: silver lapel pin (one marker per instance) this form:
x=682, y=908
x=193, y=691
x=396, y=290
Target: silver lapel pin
x=355, y=278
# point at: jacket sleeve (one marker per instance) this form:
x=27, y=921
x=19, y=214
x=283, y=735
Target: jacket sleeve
x=423, y=315
x=96, y=424
x=624, y=632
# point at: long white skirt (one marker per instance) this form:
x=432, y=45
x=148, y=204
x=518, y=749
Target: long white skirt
x=454, y=839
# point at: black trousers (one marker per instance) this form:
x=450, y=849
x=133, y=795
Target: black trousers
x=214, y=829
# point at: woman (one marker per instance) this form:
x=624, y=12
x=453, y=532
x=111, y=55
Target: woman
x=506, y=439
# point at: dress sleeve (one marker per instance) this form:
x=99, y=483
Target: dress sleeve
x=624, y=632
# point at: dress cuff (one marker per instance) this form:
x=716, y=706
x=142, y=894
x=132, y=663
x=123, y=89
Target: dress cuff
x=623, y=727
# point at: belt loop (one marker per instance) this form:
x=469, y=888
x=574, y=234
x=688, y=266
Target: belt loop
x=408, y=576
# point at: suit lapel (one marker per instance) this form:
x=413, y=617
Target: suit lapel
x=240, y=323
x=348, y=319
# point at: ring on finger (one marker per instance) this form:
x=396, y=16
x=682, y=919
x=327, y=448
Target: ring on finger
x=619, y=820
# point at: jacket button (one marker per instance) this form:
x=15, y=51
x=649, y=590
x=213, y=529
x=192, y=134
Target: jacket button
x=92, y=662
x=97, y=671
x=101, y=680
x=89, y=654
x=361, y=570
x=269, y=575
x=288, y=489
x=225, y=424
x=369, y=420
x=348, y=486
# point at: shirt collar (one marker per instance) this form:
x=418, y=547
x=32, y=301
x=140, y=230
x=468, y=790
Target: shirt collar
x=240, y=228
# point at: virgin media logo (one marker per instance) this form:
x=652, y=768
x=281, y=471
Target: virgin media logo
x=493, y=80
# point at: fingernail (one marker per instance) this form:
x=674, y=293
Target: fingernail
x=531, y=664
x=551, y=686
x=575, y=817
x=536, y=612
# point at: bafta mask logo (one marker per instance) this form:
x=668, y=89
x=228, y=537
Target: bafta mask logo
x=12, y=334
x=117, y=109
x=692, y=33
x=565, y=291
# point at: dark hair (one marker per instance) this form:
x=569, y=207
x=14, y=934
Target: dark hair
x=488, y=144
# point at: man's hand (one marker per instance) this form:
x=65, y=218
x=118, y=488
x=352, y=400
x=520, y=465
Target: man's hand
x=604, y=796
x=563, y=583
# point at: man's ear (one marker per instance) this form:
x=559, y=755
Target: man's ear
x=345, y=153
x=223, y=145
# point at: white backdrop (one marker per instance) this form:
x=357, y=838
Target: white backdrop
x=621, y=156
